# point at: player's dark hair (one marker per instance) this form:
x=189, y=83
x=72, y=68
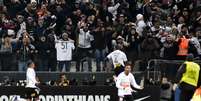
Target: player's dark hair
x=29, y=63
x=128, y=63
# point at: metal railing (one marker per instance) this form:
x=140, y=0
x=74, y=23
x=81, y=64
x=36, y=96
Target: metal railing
x=155, y=65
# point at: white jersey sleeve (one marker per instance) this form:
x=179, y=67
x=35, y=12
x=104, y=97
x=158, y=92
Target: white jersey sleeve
x=109, y=56
x=124, y=57
x=133, y=82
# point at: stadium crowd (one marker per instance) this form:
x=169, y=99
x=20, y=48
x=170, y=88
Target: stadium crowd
x=55, y=32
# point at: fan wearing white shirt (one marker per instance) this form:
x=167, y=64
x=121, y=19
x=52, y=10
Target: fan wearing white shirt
x=31, y=89
x=112, y=8
x=84, y=49
x=140, y=24
x=64, y=48
x=124, y=82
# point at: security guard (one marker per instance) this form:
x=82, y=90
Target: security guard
x=188, y=77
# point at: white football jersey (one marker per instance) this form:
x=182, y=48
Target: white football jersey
x=31, y=78
x=124, y=83
x=117, y=57
x=64, y=50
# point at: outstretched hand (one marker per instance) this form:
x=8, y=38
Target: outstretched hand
x=141, y=88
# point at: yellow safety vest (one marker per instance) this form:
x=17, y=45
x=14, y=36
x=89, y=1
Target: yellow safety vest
x=192, y=73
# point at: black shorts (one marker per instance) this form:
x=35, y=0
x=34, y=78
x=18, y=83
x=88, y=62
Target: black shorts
x=31, y=93
x=128, y=98
x=118, y=70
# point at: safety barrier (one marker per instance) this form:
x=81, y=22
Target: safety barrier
x=160, y=68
